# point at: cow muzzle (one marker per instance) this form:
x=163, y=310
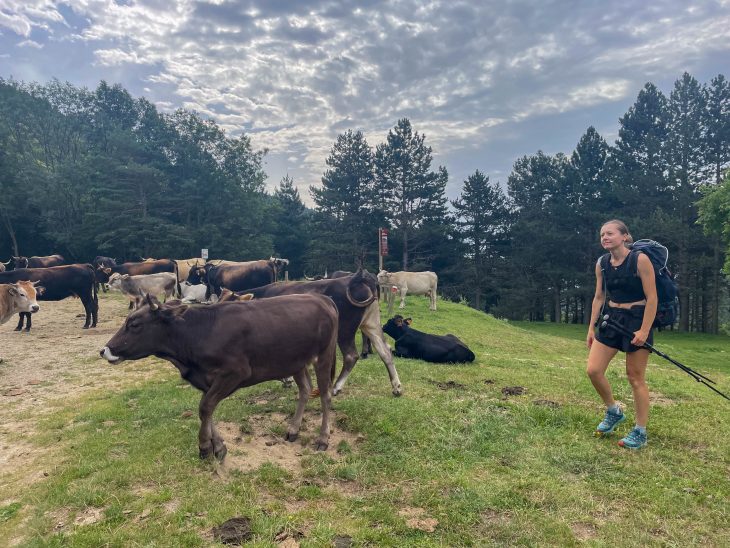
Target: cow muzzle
x=108, y=356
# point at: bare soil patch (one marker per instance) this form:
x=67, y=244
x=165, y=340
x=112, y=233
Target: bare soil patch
x=57, y=361
x=262, y=441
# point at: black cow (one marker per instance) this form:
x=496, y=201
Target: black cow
x=34, y=262
x=101, y=261
x=235, y=277
x=60, y=282
x=355, y=299
x=410, y=343
x=223, y=347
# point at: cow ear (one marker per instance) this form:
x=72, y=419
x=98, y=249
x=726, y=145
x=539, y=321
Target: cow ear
x=398, y=321
x=40, y=290
x=246, y=297
x=125, y=276
x=13, y=290
x=408, y=321
x=107, y=270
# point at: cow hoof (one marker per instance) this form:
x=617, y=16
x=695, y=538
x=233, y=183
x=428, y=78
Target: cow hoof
x=27, y=329
x=321, y=445
x=18, y=329
x=336, y=391
x=85, y=327
x=291, y=436
x=364, y=356
x=205, y=453
x=221, y=453
x=397, y=391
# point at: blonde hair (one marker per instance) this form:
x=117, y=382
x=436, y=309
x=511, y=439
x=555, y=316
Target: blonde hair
x=623, y=229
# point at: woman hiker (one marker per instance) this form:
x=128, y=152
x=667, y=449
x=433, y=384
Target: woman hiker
x=632, y=303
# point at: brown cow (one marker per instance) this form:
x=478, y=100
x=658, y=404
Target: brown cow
x=18, y=297
x=236, y=277
x=355, y=299
x=36, y=262
x=223, y=347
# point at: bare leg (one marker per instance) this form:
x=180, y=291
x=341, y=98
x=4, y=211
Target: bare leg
x=598, y=359
x=636, y=371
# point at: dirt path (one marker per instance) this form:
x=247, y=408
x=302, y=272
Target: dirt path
x=55, y=362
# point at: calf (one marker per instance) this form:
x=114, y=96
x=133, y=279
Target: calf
x=236, y=277
x=410, y=343
x=415, y=283
x=152, y=284
x=354, y=297
x=60, y=282
x=223, y=347
x=18, y=297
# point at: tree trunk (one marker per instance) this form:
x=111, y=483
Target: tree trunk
x=11, y=231
x=405, y=250
x=715, y=305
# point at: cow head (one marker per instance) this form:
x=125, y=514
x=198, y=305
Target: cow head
x=18, y=262
x=24, y=295
x=198, y=274
x=397, y=326
x=143, y=332
x=383, y=277
x=115, y=280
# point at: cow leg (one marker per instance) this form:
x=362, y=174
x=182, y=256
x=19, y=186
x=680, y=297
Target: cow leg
x=381, y=347
x=28, y=321
x=403, y=292
x=209, y=441
x=20, y=321
x=367, y=347
x=304, y=383
x=349, y=359
x=391, y=300
x=324, y=369
x=433, y=297
x=89, y=309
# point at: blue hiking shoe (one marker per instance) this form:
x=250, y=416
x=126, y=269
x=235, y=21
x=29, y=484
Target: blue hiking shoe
x=609, y=423
x=634, y=440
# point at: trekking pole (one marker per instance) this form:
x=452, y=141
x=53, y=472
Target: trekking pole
x=699, y=377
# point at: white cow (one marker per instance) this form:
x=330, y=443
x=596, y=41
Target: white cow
x=415, y=283
x=152, y=284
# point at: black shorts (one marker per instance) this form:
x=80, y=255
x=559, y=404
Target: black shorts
x=631, y=319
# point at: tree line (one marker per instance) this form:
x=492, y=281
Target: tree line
x=86, y=172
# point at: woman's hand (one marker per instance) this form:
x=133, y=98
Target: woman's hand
x=640, y=337
x=590, y=337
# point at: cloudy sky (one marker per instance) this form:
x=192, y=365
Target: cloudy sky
x=486, y=81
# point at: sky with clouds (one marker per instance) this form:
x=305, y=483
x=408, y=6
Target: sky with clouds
x=486, y=81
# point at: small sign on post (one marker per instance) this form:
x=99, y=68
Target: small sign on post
x=204, y=254
x=382, y=246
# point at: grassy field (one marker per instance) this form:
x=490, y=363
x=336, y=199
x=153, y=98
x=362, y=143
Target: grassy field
x=453, y=462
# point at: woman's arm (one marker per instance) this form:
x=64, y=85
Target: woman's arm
x=598, y=300
x=648, y=282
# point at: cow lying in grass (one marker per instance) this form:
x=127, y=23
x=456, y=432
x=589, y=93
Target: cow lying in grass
x=223, y=347
x=410, y=343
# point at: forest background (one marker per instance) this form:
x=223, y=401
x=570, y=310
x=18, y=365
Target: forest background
x=99, y=172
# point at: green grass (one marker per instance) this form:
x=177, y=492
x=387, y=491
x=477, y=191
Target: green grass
x=492, y=470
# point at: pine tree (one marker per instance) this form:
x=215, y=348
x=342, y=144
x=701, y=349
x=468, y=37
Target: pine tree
x=410, y=193
x=346, y=201
x=291, y=233
x=482, y=218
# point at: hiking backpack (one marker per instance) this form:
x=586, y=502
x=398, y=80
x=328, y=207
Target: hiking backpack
x=667, y=311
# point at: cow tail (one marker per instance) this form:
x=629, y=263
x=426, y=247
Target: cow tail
x=94, y=285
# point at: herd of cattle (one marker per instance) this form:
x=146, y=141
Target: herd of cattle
x=249, y=329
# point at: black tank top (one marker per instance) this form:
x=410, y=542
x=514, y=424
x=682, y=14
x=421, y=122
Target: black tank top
x=623, y=284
